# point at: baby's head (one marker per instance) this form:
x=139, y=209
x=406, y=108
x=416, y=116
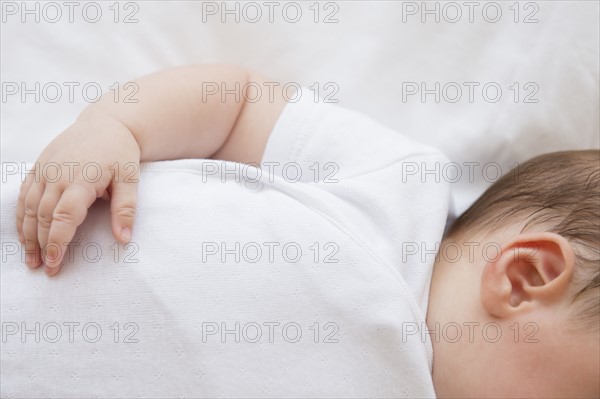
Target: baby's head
x=514, y=306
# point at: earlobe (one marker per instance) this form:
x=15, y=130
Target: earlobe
x=533, y=269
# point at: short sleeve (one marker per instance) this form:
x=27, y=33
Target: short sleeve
x=384, y=188
x=309, y=132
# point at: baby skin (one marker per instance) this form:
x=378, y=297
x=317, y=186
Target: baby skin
x=501, y=325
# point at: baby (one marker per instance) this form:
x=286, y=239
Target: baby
x=509, y=307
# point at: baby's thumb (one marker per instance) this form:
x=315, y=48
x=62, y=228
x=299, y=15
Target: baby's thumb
x=122, y=209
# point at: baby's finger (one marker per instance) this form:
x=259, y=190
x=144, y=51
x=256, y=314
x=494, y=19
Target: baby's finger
x=24, y=189
x=46, y=208
x=30, y=226
x=122, y=207
x=69, y=213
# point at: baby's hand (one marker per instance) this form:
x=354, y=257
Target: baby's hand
x=96, y=157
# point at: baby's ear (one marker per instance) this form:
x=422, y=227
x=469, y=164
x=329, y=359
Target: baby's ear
x=532, y=270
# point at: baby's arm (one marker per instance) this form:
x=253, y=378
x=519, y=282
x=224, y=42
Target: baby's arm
x=173, y=118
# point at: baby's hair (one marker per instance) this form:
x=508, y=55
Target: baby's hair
x=559, y=192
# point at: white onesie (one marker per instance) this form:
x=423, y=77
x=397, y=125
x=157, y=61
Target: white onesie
x=306, y=278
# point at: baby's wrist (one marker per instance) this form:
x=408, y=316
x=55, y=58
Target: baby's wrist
x=97, y=116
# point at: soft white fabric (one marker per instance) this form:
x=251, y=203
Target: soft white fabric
x=372, y=49
x=365, y=291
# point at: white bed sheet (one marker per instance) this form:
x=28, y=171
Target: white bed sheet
x=370, y=54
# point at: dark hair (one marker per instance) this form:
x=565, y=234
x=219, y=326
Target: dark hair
x=561, y=192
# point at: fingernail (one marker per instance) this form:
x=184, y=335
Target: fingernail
x=51, y=255
x=126, y=234
x=51, y=251
x=29, y=259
